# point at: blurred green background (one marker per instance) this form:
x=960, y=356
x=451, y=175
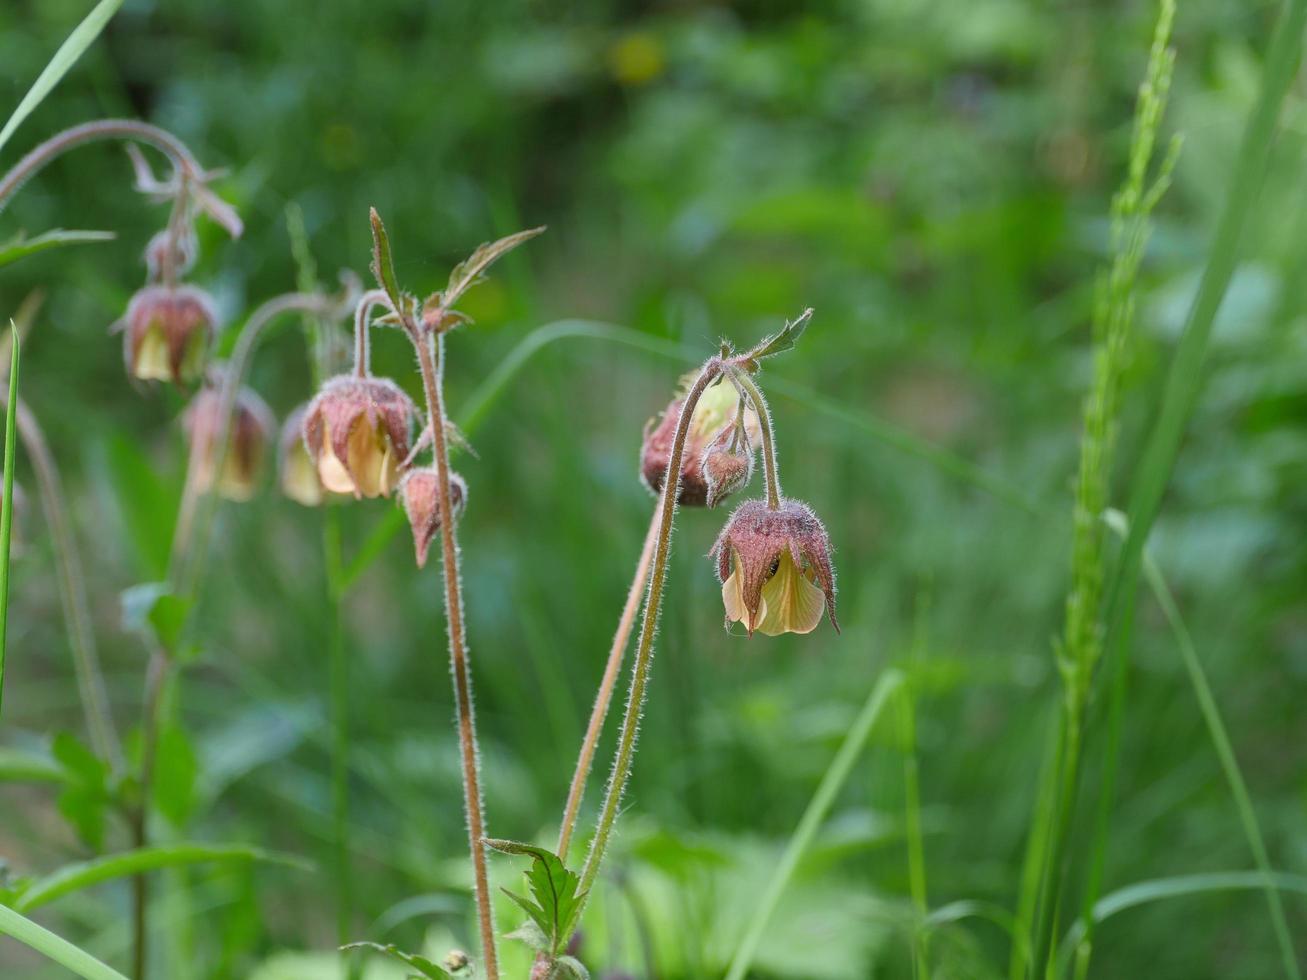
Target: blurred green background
x=933, y=177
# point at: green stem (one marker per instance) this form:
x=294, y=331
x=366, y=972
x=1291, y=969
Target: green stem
x=338, y=670
x=7, y=505
x=649, y=627
x=770, y=469
x=604, y=698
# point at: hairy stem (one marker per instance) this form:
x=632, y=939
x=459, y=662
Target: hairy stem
x=462, y=673
x=770, y=470
x=94, y=132
x=369, y=300
x=72, y=590
x=711, y=370
x=604, y=698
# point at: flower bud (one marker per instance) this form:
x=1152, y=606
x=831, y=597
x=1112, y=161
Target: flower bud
x=456, y=960
x=727, y=466
x=248, y=434
x=184, y=251
x=167, y=332
x=296, y=474
x=418, y=492
x=775, y=568
x=357, y=434
x=713, y=415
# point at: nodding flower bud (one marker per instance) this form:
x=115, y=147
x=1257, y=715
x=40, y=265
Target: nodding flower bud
x=248, y=434
x=456, y=960
x=357, y=433
x=184, y=250
x=714, y=415
x=296, y=474
x=419, y=493
x=775, y=568
x=166, y=333
x=727, y=465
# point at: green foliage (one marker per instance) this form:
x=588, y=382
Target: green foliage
x=21, y=246
x=424, y=966
x=59, y=950
x=86, y=793
x=555, y=903
x=7, y=500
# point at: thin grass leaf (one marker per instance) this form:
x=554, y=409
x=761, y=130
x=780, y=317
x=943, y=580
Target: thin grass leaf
x=427, y=967
x=83, y=35
x=75, y=877
x=1216, y=731
x=21, y=247
x=472, y=270
x=1180, y=886
x=18, y=766
x=7, y=501
x=54, y=947
x=837, y=773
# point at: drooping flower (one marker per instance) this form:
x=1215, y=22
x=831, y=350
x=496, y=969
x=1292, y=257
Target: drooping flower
x=727, y=465
x=775, y=568
x=167, y=332
x=357, y=433
x=714, y=415
x=248, y=434
x=418, y=492
x=296, y=474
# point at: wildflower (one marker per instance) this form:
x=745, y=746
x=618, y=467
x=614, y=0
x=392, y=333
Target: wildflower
x=247, y=440
x=775, y=568
x=418, y=493
x=357, y=433
x=727, y=465
x=297, y=475
x=166, y=333
x=714, y=417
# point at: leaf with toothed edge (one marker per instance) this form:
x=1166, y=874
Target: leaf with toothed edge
x=785, y=339
x=472, y=269
x=383, y=266
x=557, y=902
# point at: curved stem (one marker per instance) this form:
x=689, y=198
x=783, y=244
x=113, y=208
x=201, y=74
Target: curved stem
x=367, y=302
x=94, y=132
x=770, y=469
x=604, y=698
x=429, y=362
x=184, y=566
x=711, y=370
x=72, y=590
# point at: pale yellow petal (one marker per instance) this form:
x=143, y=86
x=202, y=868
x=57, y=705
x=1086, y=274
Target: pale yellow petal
x=330, y=469
x=792, y=603
x=153, y=361
x=733, y=598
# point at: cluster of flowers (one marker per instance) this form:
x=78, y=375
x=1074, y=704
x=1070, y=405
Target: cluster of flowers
x=773, y=558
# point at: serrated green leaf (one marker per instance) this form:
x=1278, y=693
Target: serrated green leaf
x=529, y=933
x=21, y=247
x=383, y=266
x=785, y=339
x=472, y=269
x=539, y=918
x=429, y=969
x=554, y=888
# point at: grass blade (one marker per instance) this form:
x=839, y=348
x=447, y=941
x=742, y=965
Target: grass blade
x=1229, y=761
x=78, y=41
x=23, y=247
x=1180, y=886
x=54, y=947
x=75, y=877
x=890, y=683
x=7, y=502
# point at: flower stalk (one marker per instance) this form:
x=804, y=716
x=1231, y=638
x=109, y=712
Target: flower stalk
x=585, y=761
x=771, y=472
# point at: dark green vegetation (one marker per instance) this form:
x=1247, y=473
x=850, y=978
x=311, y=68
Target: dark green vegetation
x=936, y=180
